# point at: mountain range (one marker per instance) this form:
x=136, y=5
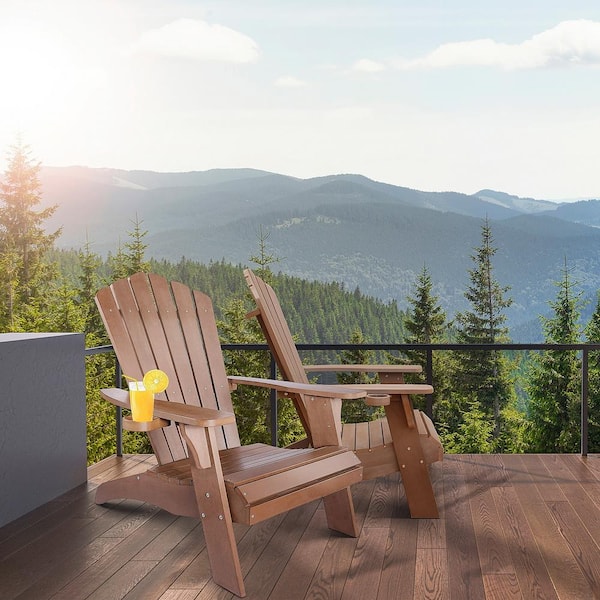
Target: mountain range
x=345, y=228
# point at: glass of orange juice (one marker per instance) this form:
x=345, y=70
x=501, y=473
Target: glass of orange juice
x=141, y=400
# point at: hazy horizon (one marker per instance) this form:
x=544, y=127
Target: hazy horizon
x=458, y=97
x=76, y=166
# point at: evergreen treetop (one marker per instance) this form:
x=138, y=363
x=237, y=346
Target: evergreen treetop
x=24, y=243
x=485, y=322
x=426, y=319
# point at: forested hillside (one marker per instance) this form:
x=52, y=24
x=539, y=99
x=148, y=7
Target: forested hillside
x=339, y=228
x=317, y=312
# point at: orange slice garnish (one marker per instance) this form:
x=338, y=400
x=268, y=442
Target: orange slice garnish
x=156, y=381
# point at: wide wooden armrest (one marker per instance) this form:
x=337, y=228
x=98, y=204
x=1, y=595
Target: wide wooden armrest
x=381, y=394
x=174, y=411
x=310, y=389
x=394, y=389
x=366, y=368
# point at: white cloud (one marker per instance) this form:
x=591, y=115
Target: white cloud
x=366, y=65
x=569, y=43
x=290, y=81
x=198, y=40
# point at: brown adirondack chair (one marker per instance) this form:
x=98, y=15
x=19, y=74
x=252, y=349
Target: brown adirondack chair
x=203, y=471
x=404, y=440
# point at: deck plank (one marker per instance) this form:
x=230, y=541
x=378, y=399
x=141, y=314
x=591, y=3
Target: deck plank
x=173, y=550
x=566, y=577
x=330, y=577
x=432, y=532
x=153, y=521
x=367, y=563
x=431, y=576
x=583, y=547
x=529, y=565
x=398, y=573
x=263, y=576
x=124, y=580
x=580, y=495
x=494, y=555
x=296, y=577
x=464, y=573
x=510, y=527
x=502, y=586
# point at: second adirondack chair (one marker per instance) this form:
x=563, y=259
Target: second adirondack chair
x=203, y=471
x=404, y=440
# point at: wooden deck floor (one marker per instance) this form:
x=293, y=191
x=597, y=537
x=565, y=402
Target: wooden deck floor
x=511, y=527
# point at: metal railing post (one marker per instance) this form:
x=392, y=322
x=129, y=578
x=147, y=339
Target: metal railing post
x=429, y=376
x=584, y=401
x=118, y=412
x=273, y=398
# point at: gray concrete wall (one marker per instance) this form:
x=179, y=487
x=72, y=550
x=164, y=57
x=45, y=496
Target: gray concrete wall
x=42, y=419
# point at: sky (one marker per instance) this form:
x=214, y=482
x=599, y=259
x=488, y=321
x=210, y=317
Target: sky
x=431, y=95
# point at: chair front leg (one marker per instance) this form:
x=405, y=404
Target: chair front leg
x=213, y=507
x=326, y=427
x=325, y=420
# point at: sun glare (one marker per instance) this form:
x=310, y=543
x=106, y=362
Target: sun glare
x=37, y=74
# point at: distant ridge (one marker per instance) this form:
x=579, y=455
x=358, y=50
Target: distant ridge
x=346, y=228
x=515, y=202
x=151, y=179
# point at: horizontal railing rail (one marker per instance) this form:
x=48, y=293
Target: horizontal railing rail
x=428, y=349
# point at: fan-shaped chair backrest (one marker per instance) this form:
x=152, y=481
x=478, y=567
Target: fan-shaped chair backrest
x=154, y=324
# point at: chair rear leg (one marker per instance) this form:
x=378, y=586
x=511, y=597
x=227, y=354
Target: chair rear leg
x=413, y=468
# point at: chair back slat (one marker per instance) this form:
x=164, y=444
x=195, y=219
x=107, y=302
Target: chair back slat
x=205, y=359
x=279, y=337
x=173, y=345
x=153, y=324
x=133, y=325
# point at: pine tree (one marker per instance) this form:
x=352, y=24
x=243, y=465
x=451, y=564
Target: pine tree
x=88, y=285
x=24, y=244
x=135, y=248
x=9, y=284
x=554, y=380
x=425, y=322
x=117, y=264
x=265, y=258
x=130, y=257
x=484, y=374
x=474, y=434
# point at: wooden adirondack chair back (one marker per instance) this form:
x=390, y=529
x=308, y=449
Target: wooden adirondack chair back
x=279, y=337
x=156, y=325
